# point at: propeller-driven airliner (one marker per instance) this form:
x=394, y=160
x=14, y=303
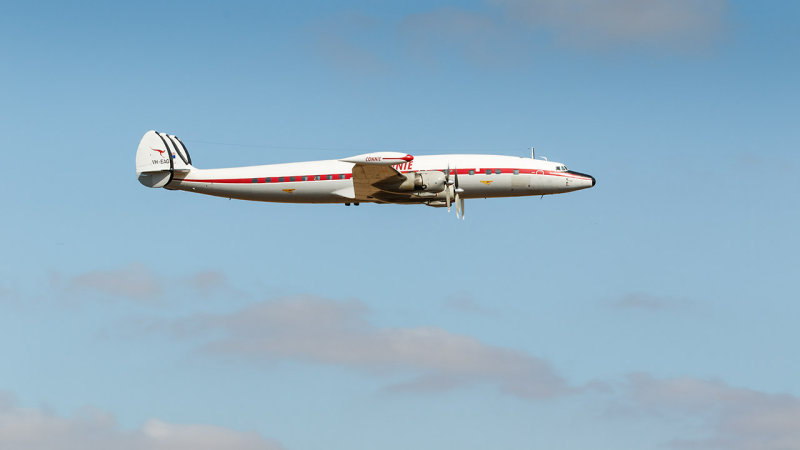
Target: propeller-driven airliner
x=380, y=177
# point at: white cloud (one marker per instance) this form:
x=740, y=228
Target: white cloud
x=465, y=303
x=92, y=429
x=507, y=32
x=648, y=302
x=6, y=295
x=589, y=22
x=337, y=333
x=207, y=280
x=344, y=41
x=139, y=282
x=135, y=281
x=451, y=31
x=731, y=418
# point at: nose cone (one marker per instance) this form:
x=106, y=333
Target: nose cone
x=584, y=180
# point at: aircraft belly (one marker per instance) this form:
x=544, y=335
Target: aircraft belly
x=521, y=184
x=547, y=184
x=240, y=191
x=300, y=192
x=488, y=186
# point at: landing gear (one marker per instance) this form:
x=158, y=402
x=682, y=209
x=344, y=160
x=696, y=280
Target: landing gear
x=348, y=204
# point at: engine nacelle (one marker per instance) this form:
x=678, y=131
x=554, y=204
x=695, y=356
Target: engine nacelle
x=429, y=181
x=423, y=182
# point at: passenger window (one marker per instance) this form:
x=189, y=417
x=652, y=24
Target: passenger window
x=267, y=180
x=341, y=176
x=316, y=177
x=497, y=171
x=488, y=171
x=330, y=177
x=255, y=180
x=471, y=171
x=516, y=171
x=305, y=178
x=291, y=178
x=280, y=179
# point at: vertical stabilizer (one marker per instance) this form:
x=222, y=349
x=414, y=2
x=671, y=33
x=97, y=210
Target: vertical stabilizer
x=158, y=157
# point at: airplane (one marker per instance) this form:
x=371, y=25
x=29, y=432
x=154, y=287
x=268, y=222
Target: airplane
x=380, y=177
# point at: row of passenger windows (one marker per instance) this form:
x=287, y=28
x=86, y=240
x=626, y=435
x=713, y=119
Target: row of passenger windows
x=343, y=176
x=489, y=171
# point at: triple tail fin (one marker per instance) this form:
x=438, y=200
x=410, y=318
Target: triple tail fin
x=158, y=157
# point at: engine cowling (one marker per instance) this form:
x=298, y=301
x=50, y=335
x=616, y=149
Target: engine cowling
x=426, y=181
x=429, y=181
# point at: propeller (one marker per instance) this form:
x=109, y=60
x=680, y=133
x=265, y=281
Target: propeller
x=447, y=184
x=451, y=185
x=459, y=200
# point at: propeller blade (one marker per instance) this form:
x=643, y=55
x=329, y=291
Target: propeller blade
x=447, y=187
x=459, y=201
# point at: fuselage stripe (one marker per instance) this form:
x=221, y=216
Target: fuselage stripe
x=348, y=176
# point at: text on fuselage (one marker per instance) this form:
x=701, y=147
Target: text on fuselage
x=404, y=166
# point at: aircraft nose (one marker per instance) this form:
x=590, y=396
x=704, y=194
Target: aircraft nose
x=584, y=177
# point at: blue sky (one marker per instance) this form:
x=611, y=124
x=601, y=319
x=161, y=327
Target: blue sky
x=655, y=310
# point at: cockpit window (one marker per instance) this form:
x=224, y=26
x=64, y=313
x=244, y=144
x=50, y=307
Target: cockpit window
x=561, y=168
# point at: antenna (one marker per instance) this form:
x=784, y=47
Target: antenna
x=533, y=154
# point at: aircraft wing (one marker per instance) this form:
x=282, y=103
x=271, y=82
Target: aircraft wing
x=374, y=178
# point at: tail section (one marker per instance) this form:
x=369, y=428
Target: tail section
x=158, y=157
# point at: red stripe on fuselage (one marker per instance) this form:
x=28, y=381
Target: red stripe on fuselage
x=347, y=176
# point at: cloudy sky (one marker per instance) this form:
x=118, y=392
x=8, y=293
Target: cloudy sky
x=657, y=310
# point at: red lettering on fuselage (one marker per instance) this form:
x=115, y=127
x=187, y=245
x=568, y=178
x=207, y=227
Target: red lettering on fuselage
x=404, y=166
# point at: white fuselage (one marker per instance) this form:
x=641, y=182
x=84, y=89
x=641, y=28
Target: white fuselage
x=330, y=181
